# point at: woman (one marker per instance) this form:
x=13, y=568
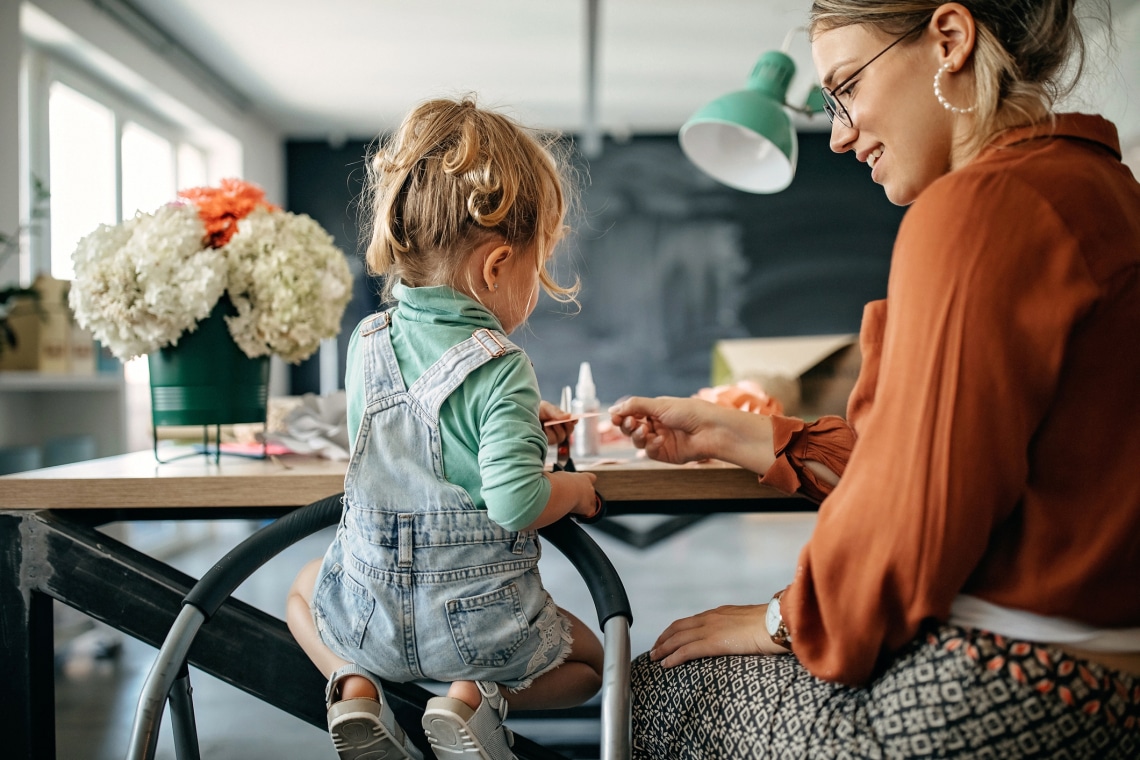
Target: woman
x=969, y=588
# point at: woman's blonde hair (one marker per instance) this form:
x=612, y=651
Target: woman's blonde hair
x=454, y=176
x=1022, y=51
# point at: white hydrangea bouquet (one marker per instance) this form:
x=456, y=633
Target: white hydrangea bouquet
x=140, y=285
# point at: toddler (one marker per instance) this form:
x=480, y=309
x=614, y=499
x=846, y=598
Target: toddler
x=433, y=572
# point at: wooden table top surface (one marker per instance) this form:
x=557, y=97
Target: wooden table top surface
x=137, y=480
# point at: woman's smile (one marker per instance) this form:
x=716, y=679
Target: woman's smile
x=873, y=157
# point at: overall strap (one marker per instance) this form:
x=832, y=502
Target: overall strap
x=451, y=369
x=382, y=375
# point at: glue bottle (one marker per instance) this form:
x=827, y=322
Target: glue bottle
x=585, y=439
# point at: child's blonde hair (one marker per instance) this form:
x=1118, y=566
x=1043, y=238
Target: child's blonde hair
x=455, y=175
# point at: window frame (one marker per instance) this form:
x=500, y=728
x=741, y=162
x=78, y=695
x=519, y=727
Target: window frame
x=41, y=69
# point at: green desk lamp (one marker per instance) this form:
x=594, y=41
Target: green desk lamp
x=745, y=139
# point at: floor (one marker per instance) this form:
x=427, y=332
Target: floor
x=722, y=559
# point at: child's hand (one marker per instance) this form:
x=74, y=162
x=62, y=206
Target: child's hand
x=555, y=433
x=571, y=493
x=587, y=504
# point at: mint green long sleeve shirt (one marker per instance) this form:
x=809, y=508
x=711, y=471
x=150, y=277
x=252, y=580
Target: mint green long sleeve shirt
x=493, y=444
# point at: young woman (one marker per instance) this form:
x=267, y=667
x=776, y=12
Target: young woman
x=969, y=588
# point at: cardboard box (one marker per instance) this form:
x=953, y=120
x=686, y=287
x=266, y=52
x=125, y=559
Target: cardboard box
x=47, y=338
x=810, y=375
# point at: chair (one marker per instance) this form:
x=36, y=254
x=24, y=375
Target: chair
x=169, y=676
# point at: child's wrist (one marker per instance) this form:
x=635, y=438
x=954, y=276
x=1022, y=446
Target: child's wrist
x=597, y=512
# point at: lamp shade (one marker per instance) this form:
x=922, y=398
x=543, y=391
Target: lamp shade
x=745, y=139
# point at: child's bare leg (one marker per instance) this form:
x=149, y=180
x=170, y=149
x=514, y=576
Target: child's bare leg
x=299, y=617
x=573, y=682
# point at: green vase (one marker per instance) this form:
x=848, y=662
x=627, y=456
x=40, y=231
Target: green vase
x=206, y=379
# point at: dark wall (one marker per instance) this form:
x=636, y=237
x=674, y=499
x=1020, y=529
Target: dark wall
x=670, y=260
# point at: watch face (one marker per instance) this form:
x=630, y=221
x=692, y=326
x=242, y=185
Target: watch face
x=772, y=617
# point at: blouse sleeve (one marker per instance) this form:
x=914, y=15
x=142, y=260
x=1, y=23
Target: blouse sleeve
x=828, y=441
x=978, y=312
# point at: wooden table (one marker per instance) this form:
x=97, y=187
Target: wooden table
x=137, y=482
x=50, y=550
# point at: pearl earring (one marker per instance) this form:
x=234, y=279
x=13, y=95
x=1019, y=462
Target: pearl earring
x=938, y=92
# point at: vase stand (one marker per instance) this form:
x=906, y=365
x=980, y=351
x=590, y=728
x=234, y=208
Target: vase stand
x=204, y=449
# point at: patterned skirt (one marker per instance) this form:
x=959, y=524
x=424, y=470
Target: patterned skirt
x=953, y=693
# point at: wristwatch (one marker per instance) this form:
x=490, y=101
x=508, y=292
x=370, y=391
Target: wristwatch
x=774, y=621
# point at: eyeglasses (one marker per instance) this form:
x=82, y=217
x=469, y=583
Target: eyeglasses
x=831, y=105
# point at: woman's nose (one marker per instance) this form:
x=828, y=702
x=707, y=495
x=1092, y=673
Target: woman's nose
x=842, y=137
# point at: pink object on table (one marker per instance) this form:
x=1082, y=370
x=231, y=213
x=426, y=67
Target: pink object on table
x=746, y=395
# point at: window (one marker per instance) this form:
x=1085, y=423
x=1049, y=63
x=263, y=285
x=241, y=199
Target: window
x=106, y=157
x=149, y=174
x=81, y=181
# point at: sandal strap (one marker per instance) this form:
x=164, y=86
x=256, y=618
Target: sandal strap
x=352, y=669
x=494, y=699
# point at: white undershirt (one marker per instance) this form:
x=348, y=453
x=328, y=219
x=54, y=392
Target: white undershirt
x=972, y=612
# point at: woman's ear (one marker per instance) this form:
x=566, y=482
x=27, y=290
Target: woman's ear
x=954, y=26
x=495, y=255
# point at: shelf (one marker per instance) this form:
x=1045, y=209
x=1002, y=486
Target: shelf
x=49, y=382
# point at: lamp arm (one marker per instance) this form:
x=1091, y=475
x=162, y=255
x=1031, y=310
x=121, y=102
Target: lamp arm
x=801, y=109
x=805, y=109
x=787, y=46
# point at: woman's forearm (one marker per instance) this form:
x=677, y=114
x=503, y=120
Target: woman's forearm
x=822, y=471
x=745, y=439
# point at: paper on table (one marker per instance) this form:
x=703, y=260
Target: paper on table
x=571, y=418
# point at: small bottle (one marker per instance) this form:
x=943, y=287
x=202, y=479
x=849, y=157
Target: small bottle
x=585, y=439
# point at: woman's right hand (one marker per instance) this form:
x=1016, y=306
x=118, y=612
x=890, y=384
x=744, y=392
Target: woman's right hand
x=679, y=430
x=673, y=430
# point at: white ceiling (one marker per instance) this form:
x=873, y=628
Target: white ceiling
x=336, y=68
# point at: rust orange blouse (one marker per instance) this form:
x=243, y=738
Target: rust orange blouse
x=992, y=441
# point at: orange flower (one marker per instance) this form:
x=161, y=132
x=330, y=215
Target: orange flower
x=221, y=207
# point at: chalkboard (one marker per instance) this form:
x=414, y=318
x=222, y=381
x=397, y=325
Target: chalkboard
x=670, y=261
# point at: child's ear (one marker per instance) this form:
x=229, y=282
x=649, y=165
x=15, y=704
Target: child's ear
x=493, y=261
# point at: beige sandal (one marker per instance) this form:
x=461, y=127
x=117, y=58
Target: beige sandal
x=363, y=728
x=456, y=731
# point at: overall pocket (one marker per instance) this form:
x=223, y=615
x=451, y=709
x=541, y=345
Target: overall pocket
x=343, y=608
x=488, y=628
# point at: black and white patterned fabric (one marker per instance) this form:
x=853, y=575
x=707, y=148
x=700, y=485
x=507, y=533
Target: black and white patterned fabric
x=954, y=693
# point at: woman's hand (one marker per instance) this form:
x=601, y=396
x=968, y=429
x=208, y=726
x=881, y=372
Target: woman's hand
x=731, y=629
x=674, y=430
x=555, y=434
x=678, y=430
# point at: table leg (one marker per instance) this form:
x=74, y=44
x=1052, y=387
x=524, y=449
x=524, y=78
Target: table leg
x=27, y=667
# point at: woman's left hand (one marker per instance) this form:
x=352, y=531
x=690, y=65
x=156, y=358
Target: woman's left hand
x=731, y=629
x=555, y=433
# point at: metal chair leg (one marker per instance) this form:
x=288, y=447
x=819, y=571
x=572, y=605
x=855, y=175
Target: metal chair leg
x=617, y=739
x=171, y=658
x=182, y=717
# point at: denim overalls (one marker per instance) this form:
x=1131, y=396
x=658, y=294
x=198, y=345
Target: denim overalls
x=419, y=583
